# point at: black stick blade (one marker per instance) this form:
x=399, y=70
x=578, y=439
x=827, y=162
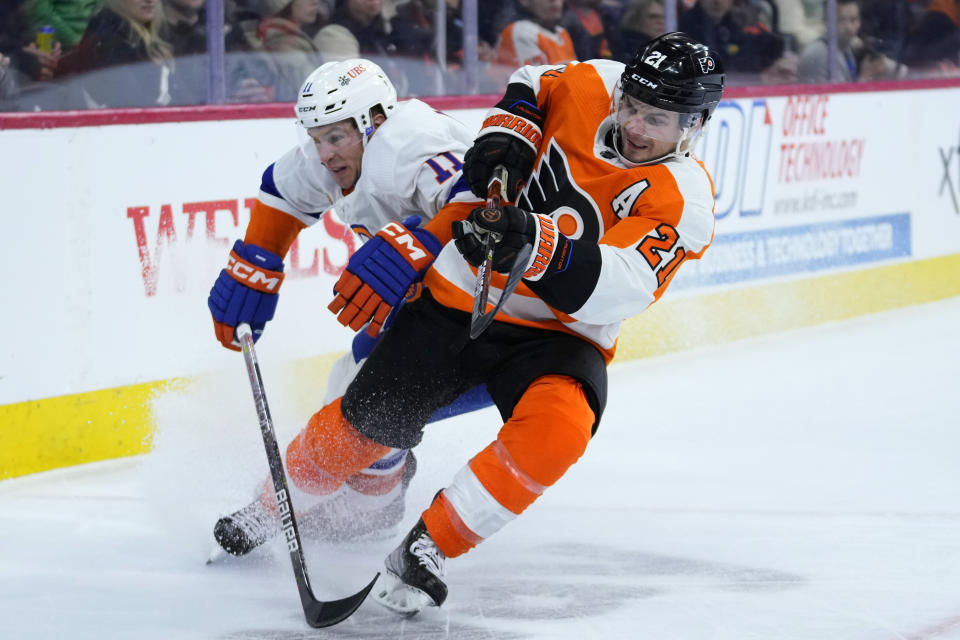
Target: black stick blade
x=479, y=323
x=326, y=614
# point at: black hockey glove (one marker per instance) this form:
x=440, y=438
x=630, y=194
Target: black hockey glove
x=492, y=149
x=510, y=135
x=514, y=226
x=561, y=271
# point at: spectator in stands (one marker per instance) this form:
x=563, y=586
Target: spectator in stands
x=814, y=65
x=749, y=49
x=413, y=32
x=643, y=21
x=67, y=17
x=292, y=50
x=8, y=85
x=886, y=23
x=357, y=29
x=536, y=37
x=798, y=23
x=933, y=46
x=874, y=65
x=26, y=62
x=590, y=24
x=249, y=74
x=125, y=59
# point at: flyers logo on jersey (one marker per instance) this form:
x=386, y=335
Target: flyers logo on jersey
x=551, y=190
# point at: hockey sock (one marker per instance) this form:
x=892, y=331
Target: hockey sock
x=328, y=451
x=381, y=477
x=548, y=431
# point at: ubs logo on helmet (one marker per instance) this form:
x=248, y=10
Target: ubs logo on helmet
x=707, y=64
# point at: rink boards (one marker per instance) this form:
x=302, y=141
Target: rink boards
x=829, y=205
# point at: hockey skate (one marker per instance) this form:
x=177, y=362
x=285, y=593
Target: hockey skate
x=336, y=520
x=243, y=531
x=412, y=579
x=347, y=517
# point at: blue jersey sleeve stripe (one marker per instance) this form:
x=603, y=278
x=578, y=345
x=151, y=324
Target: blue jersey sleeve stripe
x=458, y=187
x=267, y=185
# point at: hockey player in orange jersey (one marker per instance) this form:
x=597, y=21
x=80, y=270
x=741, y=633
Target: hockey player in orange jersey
x=606, y=190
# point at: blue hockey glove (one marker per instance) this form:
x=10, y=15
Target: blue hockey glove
x=246, y=291
x=381, y=272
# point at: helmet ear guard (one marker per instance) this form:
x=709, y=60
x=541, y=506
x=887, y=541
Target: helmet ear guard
x=349, y=89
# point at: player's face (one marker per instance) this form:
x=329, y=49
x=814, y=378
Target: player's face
x=646, y=132
x=341, y=151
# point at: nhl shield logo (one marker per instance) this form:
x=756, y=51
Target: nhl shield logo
x=707, y=64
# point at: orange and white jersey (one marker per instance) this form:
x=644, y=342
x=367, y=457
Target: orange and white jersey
x=525, y=42
x=646, y=220
x=410, y=166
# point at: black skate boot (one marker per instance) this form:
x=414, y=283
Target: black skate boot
x=412, y=579
x=243, y=531
x=339, y=520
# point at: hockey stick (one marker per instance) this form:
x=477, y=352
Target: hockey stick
x=479, y=324
x=317, y=612
x=496, y=187
x=479, y=321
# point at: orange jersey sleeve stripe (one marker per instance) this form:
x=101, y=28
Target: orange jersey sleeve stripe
x=272, y=229
x=442, y=224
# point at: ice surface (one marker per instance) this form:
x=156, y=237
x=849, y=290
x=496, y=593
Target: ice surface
x=802, y=486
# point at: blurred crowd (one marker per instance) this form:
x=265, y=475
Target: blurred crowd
x=77, y=54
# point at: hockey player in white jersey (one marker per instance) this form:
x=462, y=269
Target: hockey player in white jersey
x=374, y=161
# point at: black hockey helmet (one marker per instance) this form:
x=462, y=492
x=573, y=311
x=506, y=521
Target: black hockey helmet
x=676, y=73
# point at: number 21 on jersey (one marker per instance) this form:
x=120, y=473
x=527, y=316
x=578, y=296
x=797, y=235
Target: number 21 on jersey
x=655, y=248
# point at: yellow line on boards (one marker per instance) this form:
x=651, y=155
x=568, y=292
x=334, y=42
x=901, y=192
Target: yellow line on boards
x=50, y=433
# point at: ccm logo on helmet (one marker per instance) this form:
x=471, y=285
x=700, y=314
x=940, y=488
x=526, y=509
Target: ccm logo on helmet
x=356, y=71
x=257, y=279
x=403, y=238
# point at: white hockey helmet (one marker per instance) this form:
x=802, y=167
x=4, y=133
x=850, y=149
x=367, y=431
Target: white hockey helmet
x=337, y=91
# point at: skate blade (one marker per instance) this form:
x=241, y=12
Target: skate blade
x=217, y=555
x=397, y=596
